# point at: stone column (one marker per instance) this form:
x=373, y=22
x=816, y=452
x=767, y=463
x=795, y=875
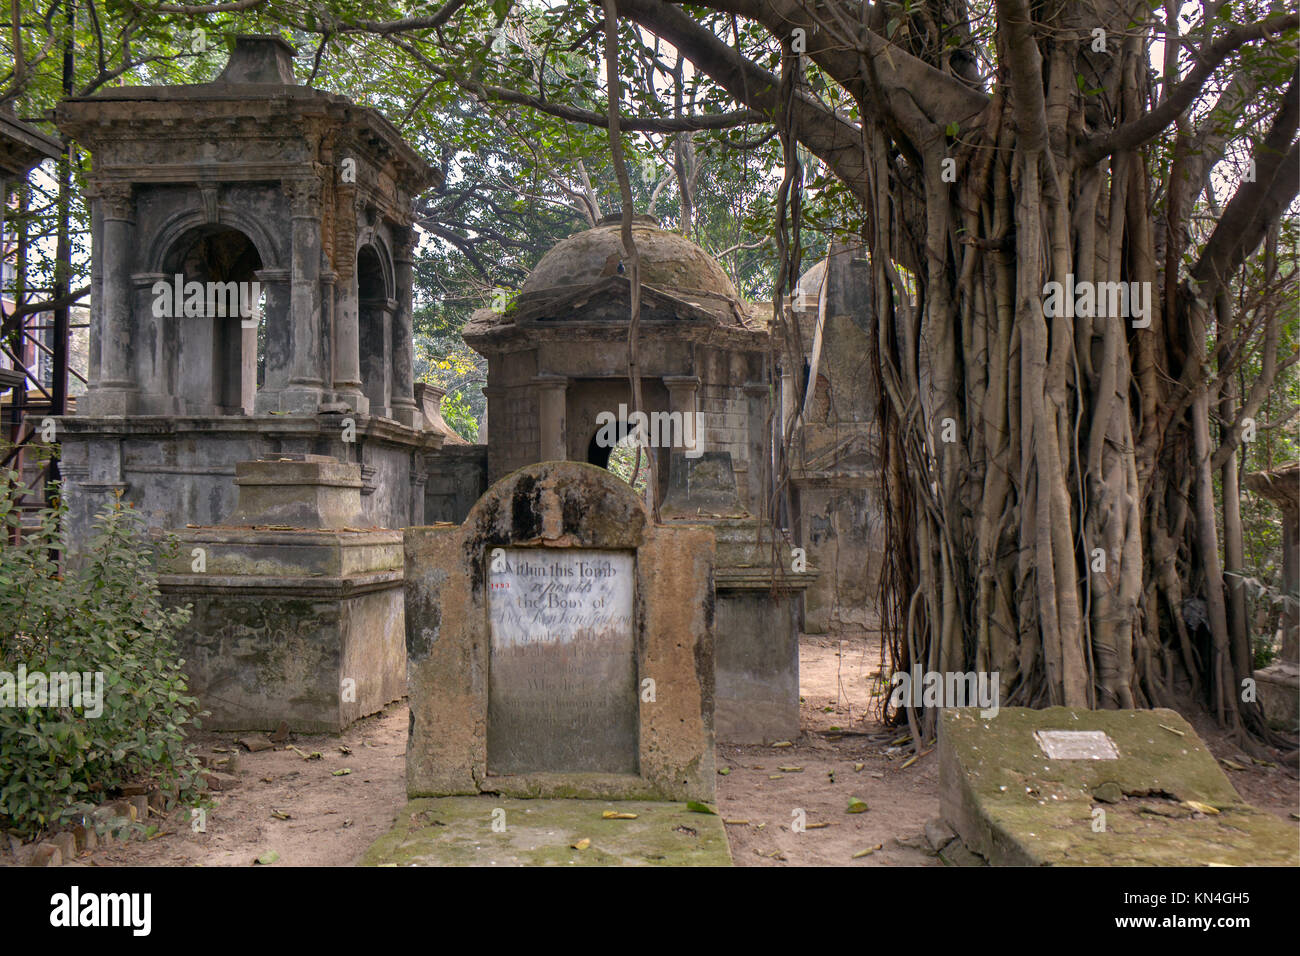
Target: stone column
x=114, y=391
x=682, y=391
x=552, y=393
x=279, y=345
x=155, y=373
x=757, y=395
x=306, y=376
x=402, y=397
x=347, y=337
x=377, y=360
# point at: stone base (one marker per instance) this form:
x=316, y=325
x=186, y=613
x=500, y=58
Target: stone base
x=458, y=831
x=1013, y=805
x=1278, y=686
x=305, y=627
x=756, y=666
x=755, y=635
x=180, y=471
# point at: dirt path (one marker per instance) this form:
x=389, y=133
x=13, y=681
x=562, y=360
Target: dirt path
x=842, y=753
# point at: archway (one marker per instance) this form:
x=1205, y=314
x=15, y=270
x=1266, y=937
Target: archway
x=218, y=320
x=374, y=325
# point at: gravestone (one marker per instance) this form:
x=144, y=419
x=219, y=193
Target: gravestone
x=562, y=659
x=1064, y=786
x=560, y=644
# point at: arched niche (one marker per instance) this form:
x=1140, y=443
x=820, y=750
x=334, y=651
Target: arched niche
x=211, y=343
x=375, y=307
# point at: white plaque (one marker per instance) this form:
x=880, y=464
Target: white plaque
x=1076, y=745
x=562, y=674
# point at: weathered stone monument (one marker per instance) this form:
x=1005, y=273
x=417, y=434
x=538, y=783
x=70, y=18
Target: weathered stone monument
x=246, y=209
x=560, y=644
x=557, y=358
x=835, y=504
x=1279, y=683
x=298, y=608
x=759, y=597
x=1064, y=786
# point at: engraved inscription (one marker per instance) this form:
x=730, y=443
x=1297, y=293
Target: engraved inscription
x=1076, y=745
x=562, y=673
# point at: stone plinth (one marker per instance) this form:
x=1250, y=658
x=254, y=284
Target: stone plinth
x=1164, y=801
x=758, y=603
x=560, y=644
x=298, y=625
x=301, y=491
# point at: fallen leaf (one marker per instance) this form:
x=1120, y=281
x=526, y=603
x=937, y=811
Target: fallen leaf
x=790, y=769
x=581, y=844
x=857, y=767
x=783, y=743
x=736, y=823
x=815, y=826
x=267, y=858
x=723, y=771
x=1231, y=764
x=280, y=814
x=1201, y=807
x=1172, y=730
x=617, y=815
x=696, y=806
x=857, y=806
x=341, y=773
x=867, y=852
x=345, y=750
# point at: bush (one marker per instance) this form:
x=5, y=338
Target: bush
x=103, y=613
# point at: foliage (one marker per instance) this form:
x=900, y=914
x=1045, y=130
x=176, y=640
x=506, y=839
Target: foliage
x=102, y=614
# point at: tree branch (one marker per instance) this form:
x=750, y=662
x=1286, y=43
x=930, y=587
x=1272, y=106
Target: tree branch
x=1181, y=97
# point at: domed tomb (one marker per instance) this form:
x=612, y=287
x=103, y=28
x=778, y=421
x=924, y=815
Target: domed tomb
x=558, y=356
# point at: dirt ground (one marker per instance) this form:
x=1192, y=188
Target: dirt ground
x=302, y=811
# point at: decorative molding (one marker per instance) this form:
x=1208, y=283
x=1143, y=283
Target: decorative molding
x=210, y=197
x=304, y=196
x=116, y=199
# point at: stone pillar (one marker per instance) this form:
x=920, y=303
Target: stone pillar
x=306, y=376
x=114, y=391
x=402, y=400
x=682, y=391
x=552, y=394
x=757, y=395
x=347, y=338
x=377, y=358
x=275, y=283
x=154, y=375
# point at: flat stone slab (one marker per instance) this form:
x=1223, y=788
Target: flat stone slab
x=458, y=831
x=1014, y=804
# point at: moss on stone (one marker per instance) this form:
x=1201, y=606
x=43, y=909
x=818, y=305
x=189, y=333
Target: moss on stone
x=457, y=831
x=1013, y=804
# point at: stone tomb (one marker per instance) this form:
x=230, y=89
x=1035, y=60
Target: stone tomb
x=560, y=644
x=1063, y=786
x=298, y=611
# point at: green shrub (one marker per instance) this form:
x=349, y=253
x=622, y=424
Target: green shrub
x=102, y=614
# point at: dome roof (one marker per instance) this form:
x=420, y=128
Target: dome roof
x=669, y=260
x=808, y=289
